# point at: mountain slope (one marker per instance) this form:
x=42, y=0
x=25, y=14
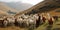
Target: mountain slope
x=45, y=6
x=5, y=8
x=56, y=12
x=2, y=12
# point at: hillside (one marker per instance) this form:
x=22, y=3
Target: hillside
x=56, y=12
x=2, y=12
x=42, y=7
x=7, y=9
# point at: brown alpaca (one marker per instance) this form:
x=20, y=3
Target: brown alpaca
x=50, y=21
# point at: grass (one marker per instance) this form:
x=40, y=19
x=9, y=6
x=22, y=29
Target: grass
x=45, y=26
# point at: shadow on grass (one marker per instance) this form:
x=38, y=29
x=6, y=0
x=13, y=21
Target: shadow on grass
x=58, y=24
x=49, y=27
x=56, y=29
x=39, y=25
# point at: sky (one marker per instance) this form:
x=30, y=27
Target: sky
x=24, y=1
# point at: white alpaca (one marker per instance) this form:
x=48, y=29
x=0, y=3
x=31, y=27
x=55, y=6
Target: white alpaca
x=19, y=21
x=11, y=20
x=5, y=22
